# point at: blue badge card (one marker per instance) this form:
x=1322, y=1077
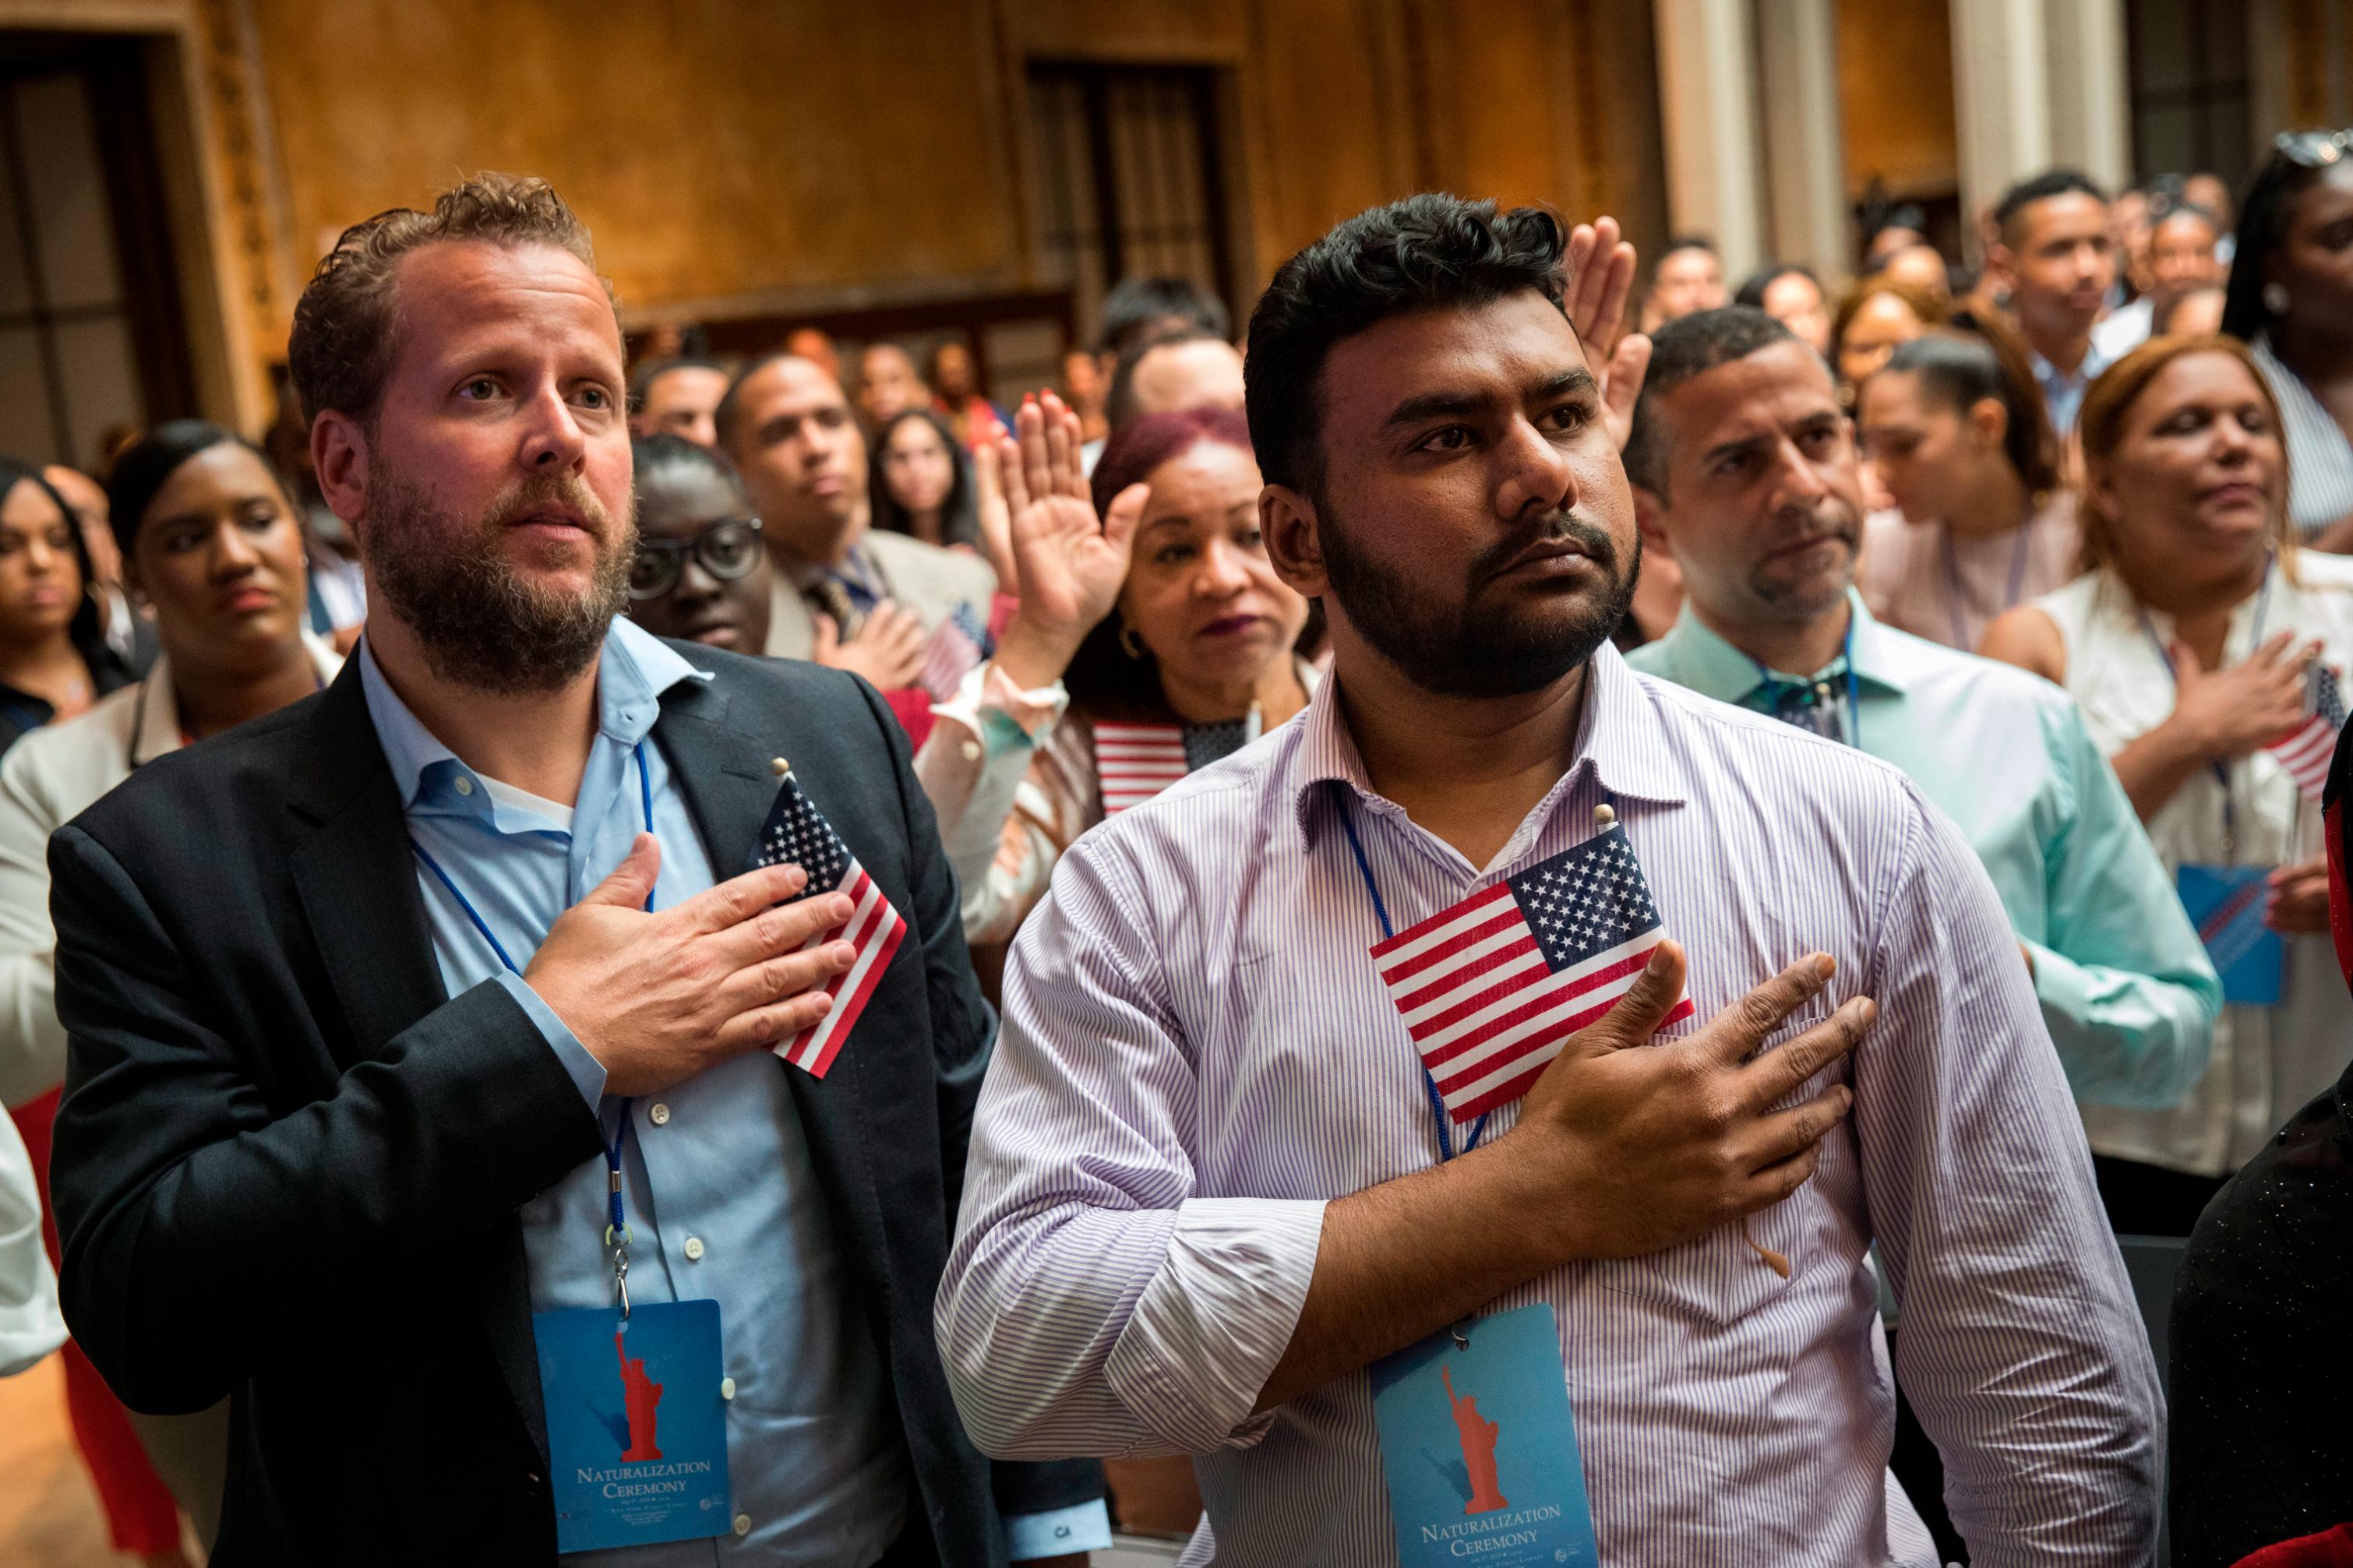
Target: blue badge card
x=637, y=1430
x=1480, y=1448
x=2227, y=903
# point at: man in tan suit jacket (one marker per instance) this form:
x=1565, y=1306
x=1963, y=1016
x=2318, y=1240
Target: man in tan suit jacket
x=790, y=429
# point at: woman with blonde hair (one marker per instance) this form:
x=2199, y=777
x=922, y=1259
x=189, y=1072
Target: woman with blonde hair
x=2207, y=656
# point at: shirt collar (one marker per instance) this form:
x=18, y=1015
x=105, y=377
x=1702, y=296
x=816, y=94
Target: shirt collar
x=1619, y=739
x=2049, y=376
x=635, y=669
x=1692, y=654
x=159, y=706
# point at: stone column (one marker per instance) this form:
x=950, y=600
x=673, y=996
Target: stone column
x=1805, y=167
x=1708, y=105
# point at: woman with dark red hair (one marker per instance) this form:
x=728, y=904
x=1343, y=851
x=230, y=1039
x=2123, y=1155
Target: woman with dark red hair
x=1186, y=653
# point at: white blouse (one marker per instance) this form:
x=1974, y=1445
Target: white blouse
x=2267, y=1061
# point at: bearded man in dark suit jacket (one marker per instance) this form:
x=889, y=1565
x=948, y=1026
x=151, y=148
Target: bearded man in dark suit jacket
x=364, y=997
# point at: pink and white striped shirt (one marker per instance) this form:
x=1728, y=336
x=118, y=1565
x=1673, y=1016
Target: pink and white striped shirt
x=1198, y=1054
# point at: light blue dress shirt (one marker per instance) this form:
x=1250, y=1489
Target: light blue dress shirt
x=2063, y=393
x=2124, y=983
x=818, y=1471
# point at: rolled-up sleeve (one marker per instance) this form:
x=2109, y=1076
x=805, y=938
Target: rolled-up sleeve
x=2021, y=1346
x=1096, y=1302
x=32, y=1040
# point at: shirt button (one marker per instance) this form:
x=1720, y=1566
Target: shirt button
x=464, y=785
x=743, y=1524
x=726, y=1388
x=972, y=751
x=693, y=1247
x=659, y=1114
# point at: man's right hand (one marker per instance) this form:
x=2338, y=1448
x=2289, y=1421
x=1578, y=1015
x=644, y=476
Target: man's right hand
x=656, y=998
x=887, y=650
x=1641, y=1146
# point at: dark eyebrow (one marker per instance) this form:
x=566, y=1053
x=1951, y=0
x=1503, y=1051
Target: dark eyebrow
x=1456, y=404
x=1716, y=455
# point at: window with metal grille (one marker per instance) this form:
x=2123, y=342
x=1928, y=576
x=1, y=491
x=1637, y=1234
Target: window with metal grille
x=1132, y=178
x=90, y=326
x=2191, y=92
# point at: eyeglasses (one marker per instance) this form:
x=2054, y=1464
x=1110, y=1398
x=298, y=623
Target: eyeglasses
x=2314, y=149
x=728, y=549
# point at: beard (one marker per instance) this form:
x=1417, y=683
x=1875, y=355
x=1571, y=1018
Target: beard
x=481, y=621
x=1470, y=648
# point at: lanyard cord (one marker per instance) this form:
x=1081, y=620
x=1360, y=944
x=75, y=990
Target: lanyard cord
x=617, y=1233
x=1381, y=912
x=1953, y=580
x=2221, y=769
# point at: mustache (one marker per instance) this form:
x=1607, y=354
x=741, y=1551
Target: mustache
x=1831, y=519
x=1552, y=528
x=568, y=491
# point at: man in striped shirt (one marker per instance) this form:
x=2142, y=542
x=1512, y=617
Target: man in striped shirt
x=1206, y=1188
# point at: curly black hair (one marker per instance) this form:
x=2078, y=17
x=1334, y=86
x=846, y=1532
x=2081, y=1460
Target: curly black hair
x=1427, y=252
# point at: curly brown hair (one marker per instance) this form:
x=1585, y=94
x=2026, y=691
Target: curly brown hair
x=345, y=323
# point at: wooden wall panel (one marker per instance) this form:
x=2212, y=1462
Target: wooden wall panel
x=734, y=149
x=1896, y=86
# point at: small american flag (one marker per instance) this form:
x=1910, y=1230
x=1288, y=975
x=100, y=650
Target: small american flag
x=2305, y=751
x=957, y=645
x=797, y=834
x=1492, y=988
x=1135, y=762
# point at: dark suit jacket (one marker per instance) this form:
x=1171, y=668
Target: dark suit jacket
x=2263, y=1320
x=288, y=1167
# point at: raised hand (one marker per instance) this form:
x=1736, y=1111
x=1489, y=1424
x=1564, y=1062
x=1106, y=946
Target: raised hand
x=1600, y=278
x=1068, y=564
x=887, y=650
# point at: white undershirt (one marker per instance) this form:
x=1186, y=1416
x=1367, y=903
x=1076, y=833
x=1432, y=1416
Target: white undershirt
x=524, y=800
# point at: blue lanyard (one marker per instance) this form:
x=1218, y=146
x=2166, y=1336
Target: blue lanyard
x=1381, y=912
x=617, y=1233
x=2221, y=769
x=1850, y=722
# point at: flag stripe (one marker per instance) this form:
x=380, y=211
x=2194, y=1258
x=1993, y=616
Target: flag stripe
x=1394, y=950
x=1474, y=1030
x=1474, y=953
x=816, y=1046
x=1490, y=988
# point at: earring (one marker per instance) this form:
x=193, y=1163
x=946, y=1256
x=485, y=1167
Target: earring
x=1129, y=643
x=2275, y=298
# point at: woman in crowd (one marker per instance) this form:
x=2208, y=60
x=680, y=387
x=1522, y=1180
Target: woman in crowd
x=1195, y=657
x=922, y=482
x=1147, y=644
x=1955, y=426
x=1879, y=315
x=701, y=575
x=211, y=545
x=956, y=396
x=1793, y=297
x=55, y=661
x=2199, y=637
x=2290, y=298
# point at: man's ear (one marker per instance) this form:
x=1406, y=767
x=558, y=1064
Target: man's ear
x=338, y=452
x=1295, y=540
x=1651, y=520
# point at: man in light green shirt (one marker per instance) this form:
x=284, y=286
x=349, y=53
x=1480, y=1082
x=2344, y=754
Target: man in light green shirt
x=1745, y=471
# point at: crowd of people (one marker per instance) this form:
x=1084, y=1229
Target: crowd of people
x=538, y=849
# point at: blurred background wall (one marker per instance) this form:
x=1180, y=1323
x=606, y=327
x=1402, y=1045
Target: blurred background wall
x=170, y=169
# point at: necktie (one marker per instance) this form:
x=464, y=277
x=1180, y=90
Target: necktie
x=1819, y=706
x=829, y=597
